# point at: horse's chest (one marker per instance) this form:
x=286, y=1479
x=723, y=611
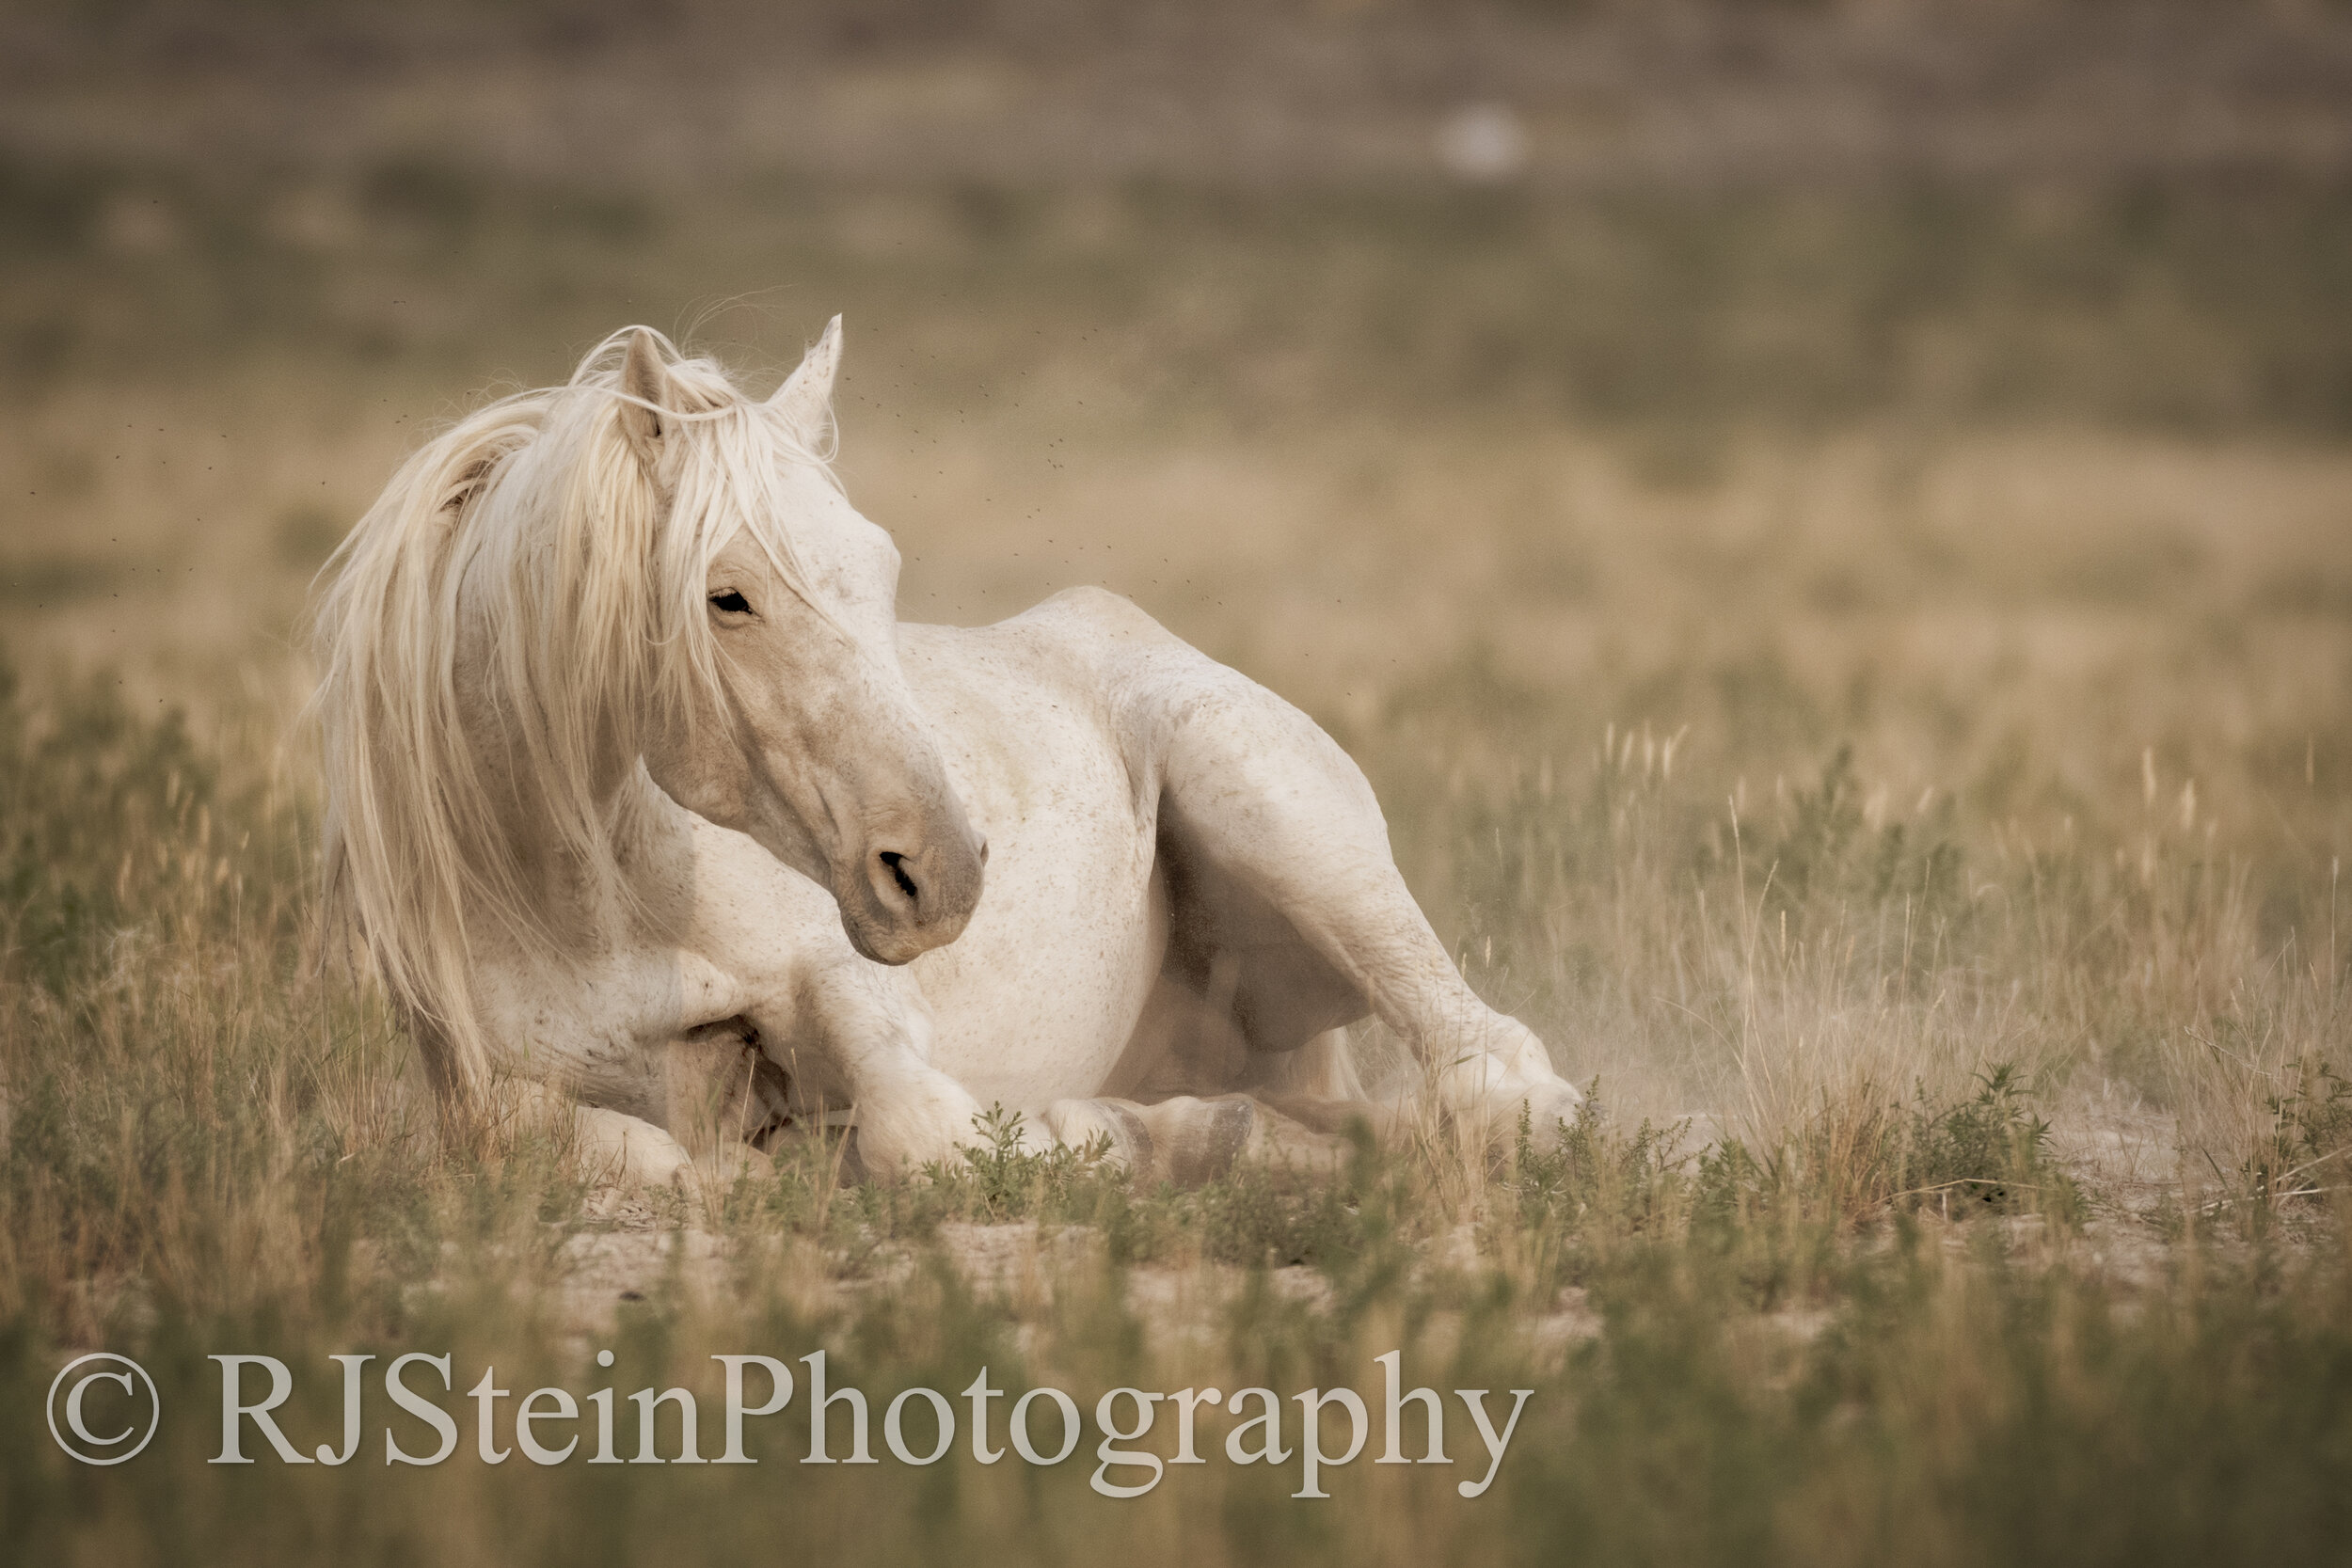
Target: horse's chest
x=1035, y=1000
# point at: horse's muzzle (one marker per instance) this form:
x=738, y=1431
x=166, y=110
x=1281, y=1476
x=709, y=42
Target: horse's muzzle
x=906, y=900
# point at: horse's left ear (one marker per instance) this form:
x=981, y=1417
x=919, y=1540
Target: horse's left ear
x=645, y=386
x=806, y=396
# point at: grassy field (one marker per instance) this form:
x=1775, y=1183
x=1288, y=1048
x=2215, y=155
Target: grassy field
x=1863, y=666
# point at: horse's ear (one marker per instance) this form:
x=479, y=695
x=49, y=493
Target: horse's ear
x=644, y=380
x=806, y=396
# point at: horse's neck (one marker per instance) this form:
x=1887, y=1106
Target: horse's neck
x=623, y=902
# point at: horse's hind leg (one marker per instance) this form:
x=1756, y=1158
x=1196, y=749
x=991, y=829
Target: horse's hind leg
x=1186, y=1140
x=1317, y=1086
x=1285, y=897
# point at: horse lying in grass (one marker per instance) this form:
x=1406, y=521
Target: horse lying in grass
x=639, y=794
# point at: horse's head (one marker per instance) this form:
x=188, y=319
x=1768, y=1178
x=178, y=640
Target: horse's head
x=795, y=725
x=646, y=564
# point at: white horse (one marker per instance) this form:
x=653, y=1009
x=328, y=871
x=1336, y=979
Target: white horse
x=639, y=793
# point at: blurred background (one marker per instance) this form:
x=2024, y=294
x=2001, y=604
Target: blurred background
x=1922, y=426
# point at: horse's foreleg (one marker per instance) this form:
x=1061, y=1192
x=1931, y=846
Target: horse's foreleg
x=865, y=1034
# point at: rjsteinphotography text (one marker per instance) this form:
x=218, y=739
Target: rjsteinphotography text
x=1043, y=1426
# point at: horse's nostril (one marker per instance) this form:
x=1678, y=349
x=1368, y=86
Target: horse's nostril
x=896, y=863
x=983, y=852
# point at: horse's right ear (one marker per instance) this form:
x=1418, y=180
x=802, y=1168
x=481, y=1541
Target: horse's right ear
x=805, y=398
x=644, y=382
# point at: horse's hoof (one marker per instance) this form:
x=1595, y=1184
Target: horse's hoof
x=1112, y=1129
x=904, y=1127
x=1551, y=1108
x=617, y=1150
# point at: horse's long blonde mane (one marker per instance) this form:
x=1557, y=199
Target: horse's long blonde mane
x=534, y=519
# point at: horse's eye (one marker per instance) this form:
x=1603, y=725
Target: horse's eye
x=732, y=602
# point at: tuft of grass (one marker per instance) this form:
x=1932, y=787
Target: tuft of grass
x=2301, y=1156
x=1005, y=1180
x=1596, y=1177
